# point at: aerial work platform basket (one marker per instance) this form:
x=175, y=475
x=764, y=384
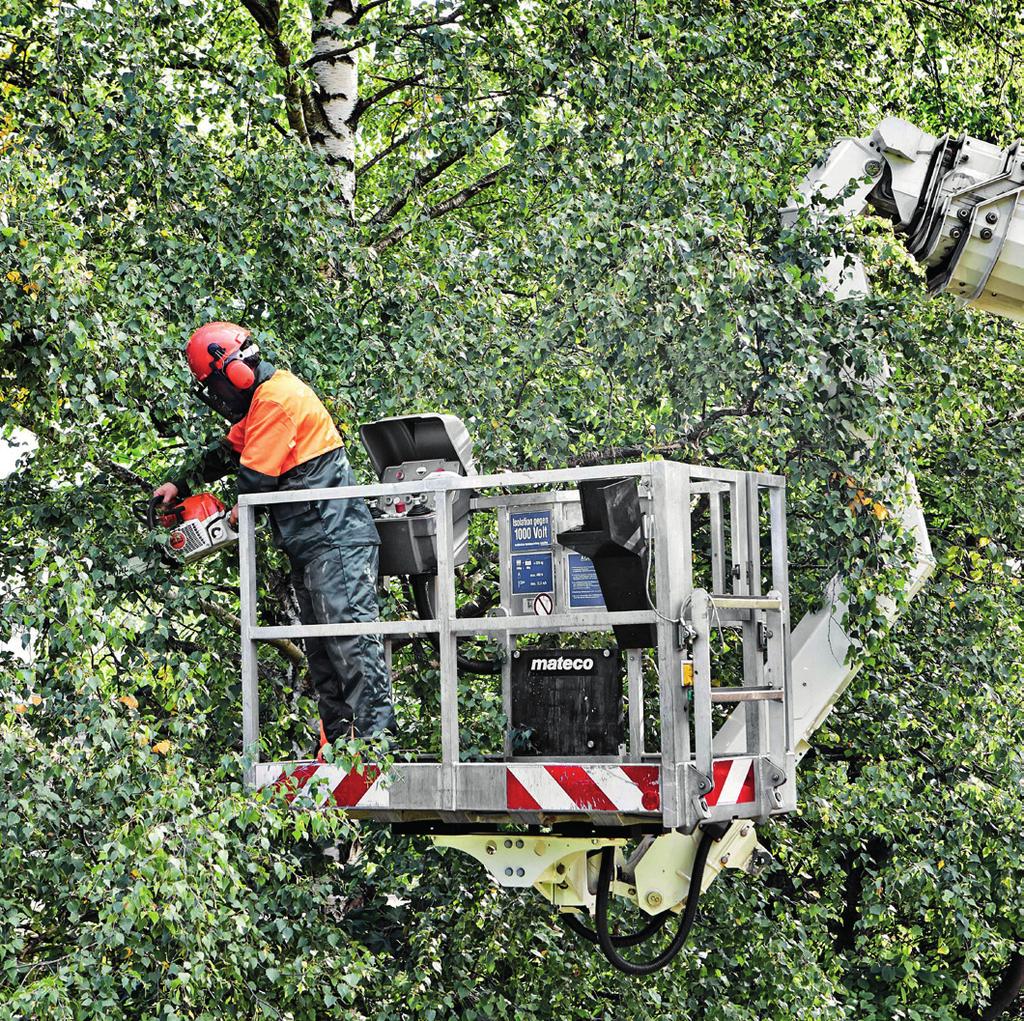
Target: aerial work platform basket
x=646, y=565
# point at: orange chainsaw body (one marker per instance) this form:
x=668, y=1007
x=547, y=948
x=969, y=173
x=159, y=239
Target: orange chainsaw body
x=199, y=526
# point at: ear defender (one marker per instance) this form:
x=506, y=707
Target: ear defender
x=239, y=374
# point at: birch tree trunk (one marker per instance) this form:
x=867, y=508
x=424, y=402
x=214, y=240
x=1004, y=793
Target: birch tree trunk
x=334, y=115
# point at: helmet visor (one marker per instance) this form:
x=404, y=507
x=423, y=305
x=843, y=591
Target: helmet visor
x=220, y=394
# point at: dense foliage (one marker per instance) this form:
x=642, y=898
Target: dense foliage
x=565, y=230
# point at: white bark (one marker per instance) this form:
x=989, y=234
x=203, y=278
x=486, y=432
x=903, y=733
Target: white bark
x=333, y=133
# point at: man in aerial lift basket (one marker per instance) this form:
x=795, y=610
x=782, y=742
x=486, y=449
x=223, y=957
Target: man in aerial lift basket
x=282, y=438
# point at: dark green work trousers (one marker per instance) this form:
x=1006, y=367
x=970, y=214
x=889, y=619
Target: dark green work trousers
x=351, y=678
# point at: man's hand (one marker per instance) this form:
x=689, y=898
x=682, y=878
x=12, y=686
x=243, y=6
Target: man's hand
x=168, y=492
x=233, y=518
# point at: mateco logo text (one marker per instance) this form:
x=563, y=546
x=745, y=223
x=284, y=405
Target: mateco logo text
x=562, y=664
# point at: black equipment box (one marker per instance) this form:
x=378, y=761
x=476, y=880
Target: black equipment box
x=566, y=702
x=612, y=536
x=409, y=449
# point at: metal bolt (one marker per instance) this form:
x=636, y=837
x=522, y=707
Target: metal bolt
x=873, y=168
x=955, y=233
x=508, y=843
x=519, y=843
x=508, y=871
x=724, y=860
x=963, y=213
x=986, y=233
x=491, y=847
x=590, y=744
x=560, y=869
x=520, y=872
x=744, y=831
x=654, y=899
x=632, y=891
x=515, y=655
x=607, y=653
x=992, y=216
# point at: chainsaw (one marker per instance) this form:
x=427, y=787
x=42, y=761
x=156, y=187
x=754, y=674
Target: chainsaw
x=199, y=525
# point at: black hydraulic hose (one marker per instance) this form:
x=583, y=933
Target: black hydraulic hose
x=604, y=936
x=421, y=585
x=654, y=924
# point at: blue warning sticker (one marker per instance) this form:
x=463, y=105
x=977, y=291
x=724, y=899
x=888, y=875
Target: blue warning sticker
x=529, y=530
x=532, y=573
x=584, y=588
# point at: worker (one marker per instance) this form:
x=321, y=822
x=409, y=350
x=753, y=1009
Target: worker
x=282, y=438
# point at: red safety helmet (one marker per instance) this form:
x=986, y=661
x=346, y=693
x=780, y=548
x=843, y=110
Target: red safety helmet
x=217, y=347
x=218, y=355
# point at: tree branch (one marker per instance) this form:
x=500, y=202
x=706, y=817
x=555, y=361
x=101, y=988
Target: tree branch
x=876, y=853
x=389, y=149
x=401, y=83
x=448, y=205
x=420, y=179
x=288, y=649
x=124, y=474
x=1006, y=993
x=332, y=55
x=690, y=438
x=365, y=9
x=460, y=198
x=267, y=16
x=448, y=19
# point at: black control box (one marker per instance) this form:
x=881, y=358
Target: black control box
x=566, y=702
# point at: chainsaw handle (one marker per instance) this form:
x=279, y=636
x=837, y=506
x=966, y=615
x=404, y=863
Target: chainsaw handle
x=151, y=511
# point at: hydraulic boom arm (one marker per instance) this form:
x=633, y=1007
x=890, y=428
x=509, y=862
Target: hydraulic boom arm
x=958, y=203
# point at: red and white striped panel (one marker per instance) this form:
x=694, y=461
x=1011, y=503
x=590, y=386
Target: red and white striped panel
x=547, y=787
x=568, y=788
x=350, y=789
x=734, y=782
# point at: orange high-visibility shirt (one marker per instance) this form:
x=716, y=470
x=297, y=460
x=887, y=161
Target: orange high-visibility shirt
x=287, y=425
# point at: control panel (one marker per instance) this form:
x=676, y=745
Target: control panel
x=411, y=504
x=544, y=576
